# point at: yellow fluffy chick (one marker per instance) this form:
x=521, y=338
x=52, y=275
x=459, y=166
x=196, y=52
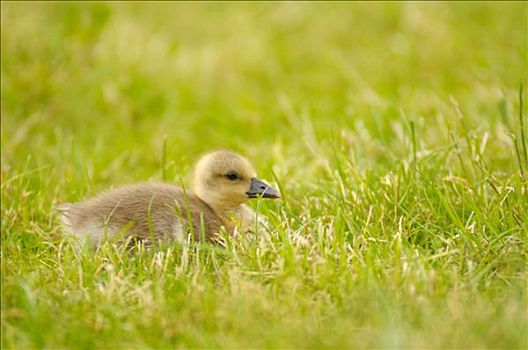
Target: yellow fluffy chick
x=223, y=182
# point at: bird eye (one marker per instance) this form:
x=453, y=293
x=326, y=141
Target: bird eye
x=232, y=176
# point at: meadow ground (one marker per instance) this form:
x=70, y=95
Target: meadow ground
x=392, y=129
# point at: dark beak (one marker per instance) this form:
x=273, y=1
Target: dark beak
x=261, y=189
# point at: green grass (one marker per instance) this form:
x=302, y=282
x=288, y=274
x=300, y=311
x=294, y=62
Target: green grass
x=392, y=129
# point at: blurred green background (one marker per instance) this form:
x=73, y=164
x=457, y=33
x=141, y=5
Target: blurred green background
x=98, y=81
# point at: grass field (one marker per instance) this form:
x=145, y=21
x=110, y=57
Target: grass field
x=393, y=130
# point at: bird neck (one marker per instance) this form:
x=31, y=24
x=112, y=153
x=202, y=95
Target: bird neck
x=239, y=216
x=228, y=213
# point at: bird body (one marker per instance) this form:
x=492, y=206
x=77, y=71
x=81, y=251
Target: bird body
x=153, y=211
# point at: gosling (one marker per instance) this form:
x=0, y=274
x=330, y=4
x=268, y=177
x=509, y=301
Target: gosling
x=223, y=182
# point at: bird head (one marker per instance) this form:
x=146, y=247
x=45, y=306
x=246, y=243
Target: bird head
x=225, y=180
